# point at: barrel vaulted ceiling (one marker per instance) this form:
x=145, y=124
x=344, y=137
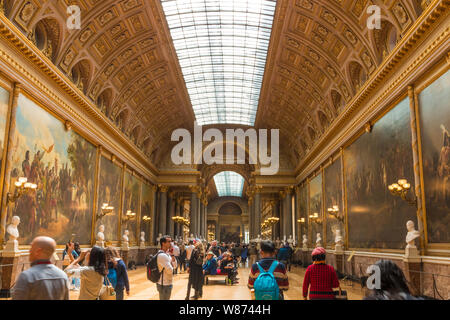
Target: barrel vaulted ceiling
x=123, y=58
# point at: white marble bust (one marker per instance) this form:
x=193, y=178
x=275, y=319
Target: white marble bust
x=318, y=240
x=12, y=230
x=290, y=240
x=100, y=234
x=305, y=242
x=338, y=238
x=412, y=235
x=142, y=236
x=125, y=235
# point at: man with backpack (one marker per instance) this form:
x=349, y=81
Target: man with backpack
x=160, y=268
x=268, y=277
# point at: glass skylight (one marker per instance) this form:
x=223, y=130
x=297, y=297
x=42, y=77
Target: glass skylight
x=222, y=48
x=229, y=183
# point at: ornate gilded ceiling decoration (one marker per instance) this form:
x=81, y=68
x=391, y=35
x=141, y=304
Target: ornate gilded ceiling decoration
x=320, y=55
x=121, y=59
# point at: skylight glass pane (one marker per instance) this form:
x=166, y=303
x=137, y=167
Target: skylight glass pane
x=222, y=44
x=229, y=183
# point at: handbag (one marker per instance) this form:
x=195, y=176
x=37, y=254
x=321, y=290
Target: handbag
x=107, y=291
x=340, y=294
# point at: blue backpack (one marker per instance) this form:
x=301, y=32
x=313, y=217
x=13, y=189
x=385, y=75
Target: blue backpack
x=266, y=286
x=112, y=277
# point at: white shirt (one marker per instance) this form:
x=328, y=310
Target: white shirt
x=165, y=262
x=176, y=251
x=189, y=250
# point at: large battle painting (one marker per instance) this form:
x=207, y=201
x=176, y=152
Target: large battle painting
x=146, y=210
x=315, y=206
x=230, y=234
x=109, y=193
x=333, y=198
x=4, y=102
x=303, y=212
x=131, y=202
x=377, y=219
x=62, y=164
x=434, y=108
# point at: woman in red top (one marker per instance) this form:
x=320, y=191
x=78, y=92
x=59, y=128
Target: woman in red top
x=320, y=278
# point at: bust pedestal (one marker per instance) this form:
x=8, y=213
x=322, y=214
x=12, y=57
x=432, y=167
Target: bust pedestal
x=411, y=255
x=11, y=249
x=125, y=246
x=339, y=249
x=142, y=245
x=10, y=258
x=100, y=243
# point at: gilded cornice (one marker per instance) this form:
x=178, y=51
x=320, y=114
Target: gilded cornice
x=435, y=12
x=15, y=39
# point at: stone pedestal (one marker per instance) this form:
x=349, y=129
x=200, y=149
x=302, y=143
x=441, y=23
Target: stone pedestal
x=124, y=254
x=11, y=248
x=305, y=254
x=339, y=256
x=413, y=267
x=141, y=255
x=10, y=270
x=100, y=244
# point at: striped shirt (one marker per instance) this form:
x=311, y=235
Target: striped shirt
x=280, y=273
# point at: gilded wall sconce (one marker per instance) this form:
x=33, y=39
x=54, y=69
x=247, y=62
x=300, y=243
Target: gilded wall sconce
x=401, y=189
x=315, y=218
x=106, y=209
x=22, y=187
x=129, y=216
x=334, y=211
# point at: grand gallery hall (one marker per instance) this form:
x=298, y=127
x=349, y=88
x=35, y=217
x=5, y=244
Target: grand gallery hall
x=309, y=135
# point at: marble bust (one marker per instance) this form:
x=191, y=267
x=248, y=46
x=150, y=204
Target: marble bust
x=412, y=235
x=100, y=236
x=338, y=238
x=305, y=242
x=290, y=240
x=12, y=230
x=125, y=235
x=318, y=240
x=12, y=245
x=142, y=242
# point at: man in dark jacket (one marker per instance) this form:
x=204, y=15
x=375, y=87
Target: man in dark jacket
x=122, y=279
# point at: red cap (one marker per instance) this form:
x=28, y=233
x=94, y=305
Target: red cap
x=318, y=250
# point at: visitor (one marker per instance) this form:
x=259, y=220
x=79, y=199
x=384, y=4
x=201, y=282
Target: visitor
x=393, y=285
x=43, y=281
x=252, y=252
x=228, y=267
x=74, y=282
x=210, y=266
x=176, y=254
x=92, y=275
x=267, y=253
x=122, y=283
x=283, y=254
x=196, y=271
x=223, y=248
x=166, y=263
x=320, y=278
x=189, y=250
x=214, y=248
x=112, y=265
x=182, y=262
x=238, y=252
x=244, y=254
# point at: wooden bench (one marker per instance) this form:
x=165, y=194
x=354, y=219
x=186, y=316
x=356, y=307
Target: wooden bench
x=217, y=277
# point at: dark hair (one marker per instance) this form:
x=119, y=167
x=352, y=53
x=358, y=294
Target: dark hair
x=191, y=242
x=319, y=257
x=267, y=246
x=392, y=278
x=164, y=239
x=76, y=247
x=97, y=259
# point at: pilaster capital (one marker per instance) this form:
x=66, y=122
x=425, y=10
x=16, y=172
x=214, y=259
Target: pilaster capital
x=154, y=188
x=163, y=188
x=258, y=189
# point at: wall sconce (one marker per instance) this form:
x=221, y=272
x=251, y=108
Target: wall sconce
x=315, y=218
x=334, y=211
x=22, y=187
x=401, y=189
x=146, y=218
x=129, y=216
x=105, y=210
x=301, y=220
x=181, y=220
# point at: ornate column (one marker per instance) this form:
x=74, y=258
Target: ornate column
x=251, y=218
x=257, y=210
x=154, y=226
x=205, y=217
x=288, y=211
x=283, y=227
x=171, y=214
x=276, y=213
x=163, y=209
x=194, y=211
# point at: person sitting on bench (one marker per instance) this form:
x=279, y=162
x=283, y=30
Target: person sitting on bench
x=210, y=266
x=227, y=267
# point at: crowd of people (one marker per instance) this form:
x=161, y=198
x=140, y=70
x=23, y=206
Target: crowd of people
x=99, y=268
